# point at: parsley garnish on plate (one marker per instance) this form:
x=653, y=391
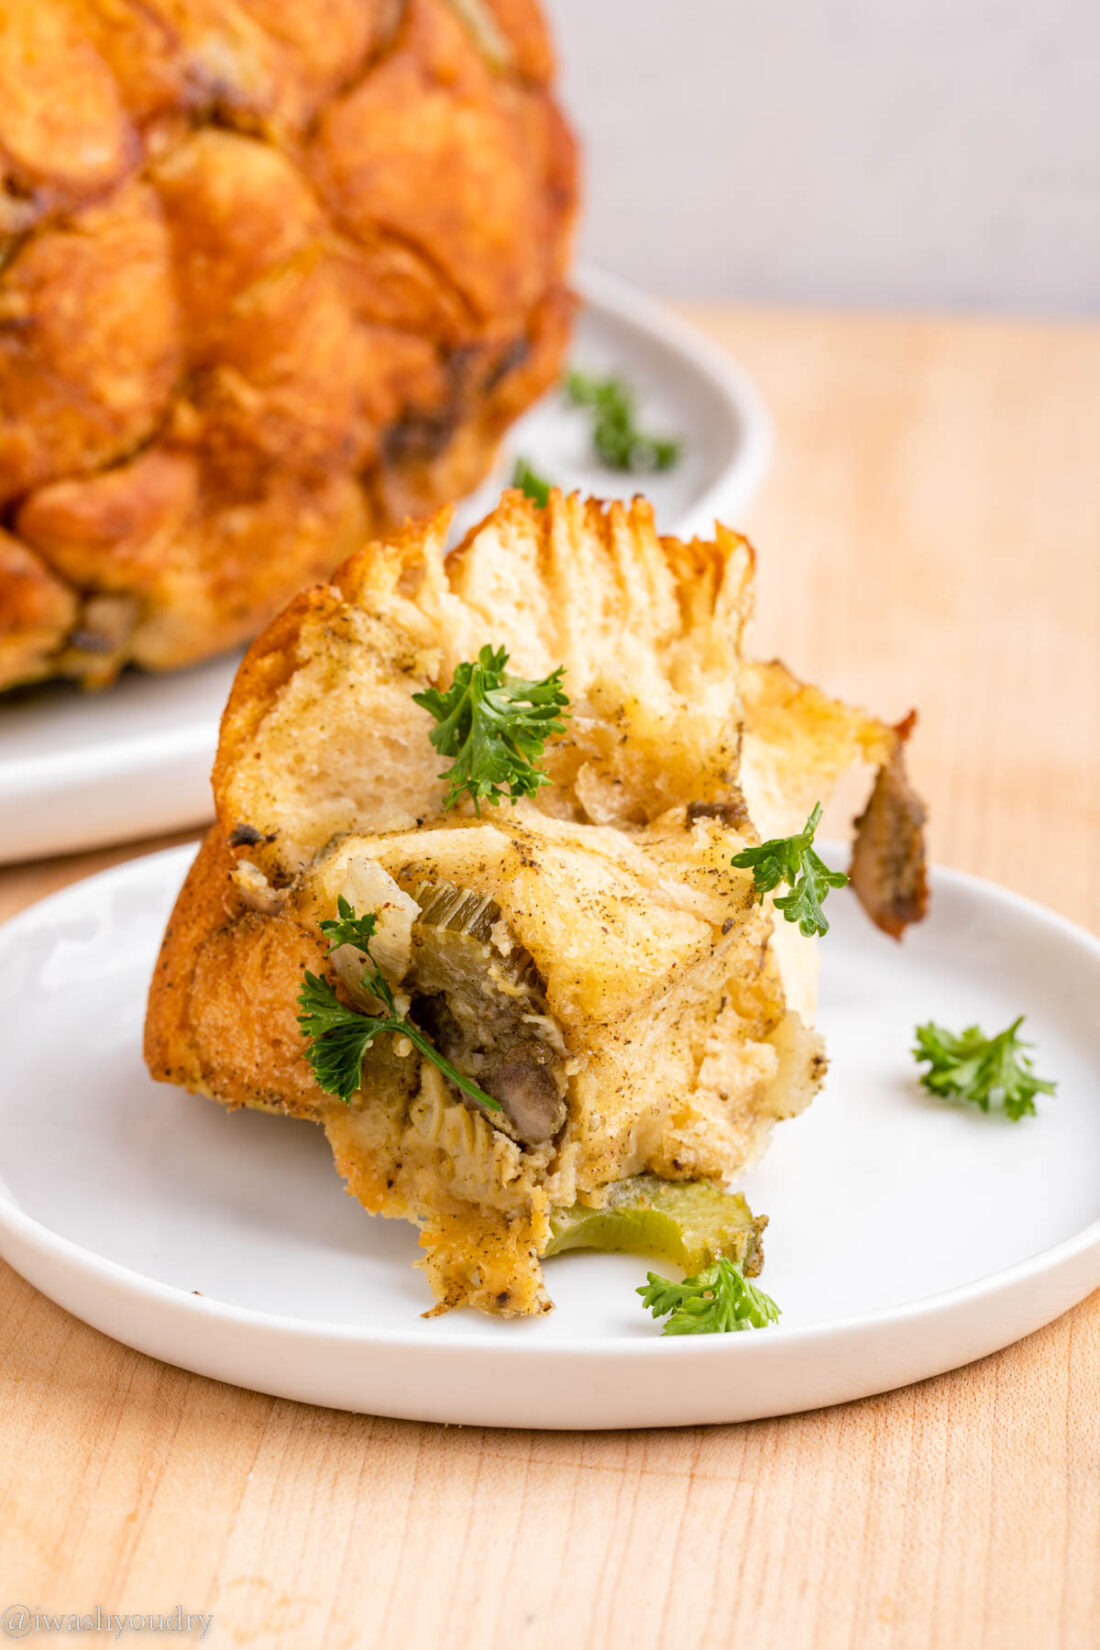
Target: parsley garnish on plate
x=793, y=860
x=496, y=727
x=616, y=438
x=718, y=1301
x=984, y=1070
x=340, y=1036
x=530, y=483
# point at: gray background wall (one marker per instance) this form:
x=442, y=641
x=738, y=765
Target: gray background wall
x=893, y=152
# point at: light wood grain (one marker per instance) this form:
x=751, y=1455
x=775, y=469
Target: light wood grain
x=929, y=534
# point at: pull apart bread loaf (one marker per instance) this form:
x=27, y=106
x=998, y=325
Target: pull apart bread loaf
x=588, y=956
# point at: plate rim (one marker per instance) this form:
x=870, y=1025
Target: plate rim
x=88, y=1263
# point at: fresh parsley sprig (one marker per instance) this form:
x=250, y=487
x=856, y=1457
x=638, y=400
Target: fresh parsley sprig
x=984, y=1070
x=530, y=483
x=340, y=1036
x=718, y=1301
x=616, y=438
x=496, y=727
x=348, y=929
x=793, y=860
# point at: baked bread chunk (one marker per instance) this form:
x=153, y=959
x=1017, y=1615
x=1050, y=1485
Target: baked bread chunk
x=589, y=956
x=273, y=274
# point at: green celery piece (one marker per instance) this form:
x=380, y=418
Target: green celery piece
x=686, y=1222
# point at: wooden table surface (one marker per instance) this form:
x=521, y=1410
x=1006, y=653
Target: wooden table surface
x=930, y=533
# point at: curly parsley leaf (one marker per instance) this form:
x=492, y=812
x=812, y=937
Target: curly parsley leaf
x=718, y=1301
x=496, y=727
x=793, y=860
x=530, y=483
x=348, y=929
x=341, y=1035
x=984, y=1070
x=616, y=438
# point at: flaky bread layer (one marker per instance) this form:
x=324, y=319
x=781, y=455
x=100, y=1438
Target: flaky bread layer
x=321, y=734
x=682, y=1015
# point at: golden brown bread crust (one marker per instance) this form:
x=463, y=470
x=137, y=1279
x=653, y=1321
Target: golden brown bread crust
x=36, y=609
x=221, y=1017
x=272, y=277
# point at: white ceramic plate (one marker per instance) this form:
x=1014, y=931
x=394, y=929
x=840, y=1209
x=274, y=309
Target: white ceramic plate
x=907, y=1236
x=79, y=770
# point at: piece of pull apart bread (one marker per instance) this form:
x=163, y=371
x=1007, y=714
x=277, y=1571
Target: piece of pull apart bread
x=587, y=959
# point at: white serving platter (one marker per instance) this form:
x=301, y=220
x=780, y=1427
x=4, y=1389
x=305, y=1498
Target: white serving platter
x=79, y=770
x=907, y=1237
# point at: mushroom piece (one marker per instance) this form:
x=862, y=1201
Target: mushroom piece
x=477, y=993
x=888, y=862
x=526, y=1089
